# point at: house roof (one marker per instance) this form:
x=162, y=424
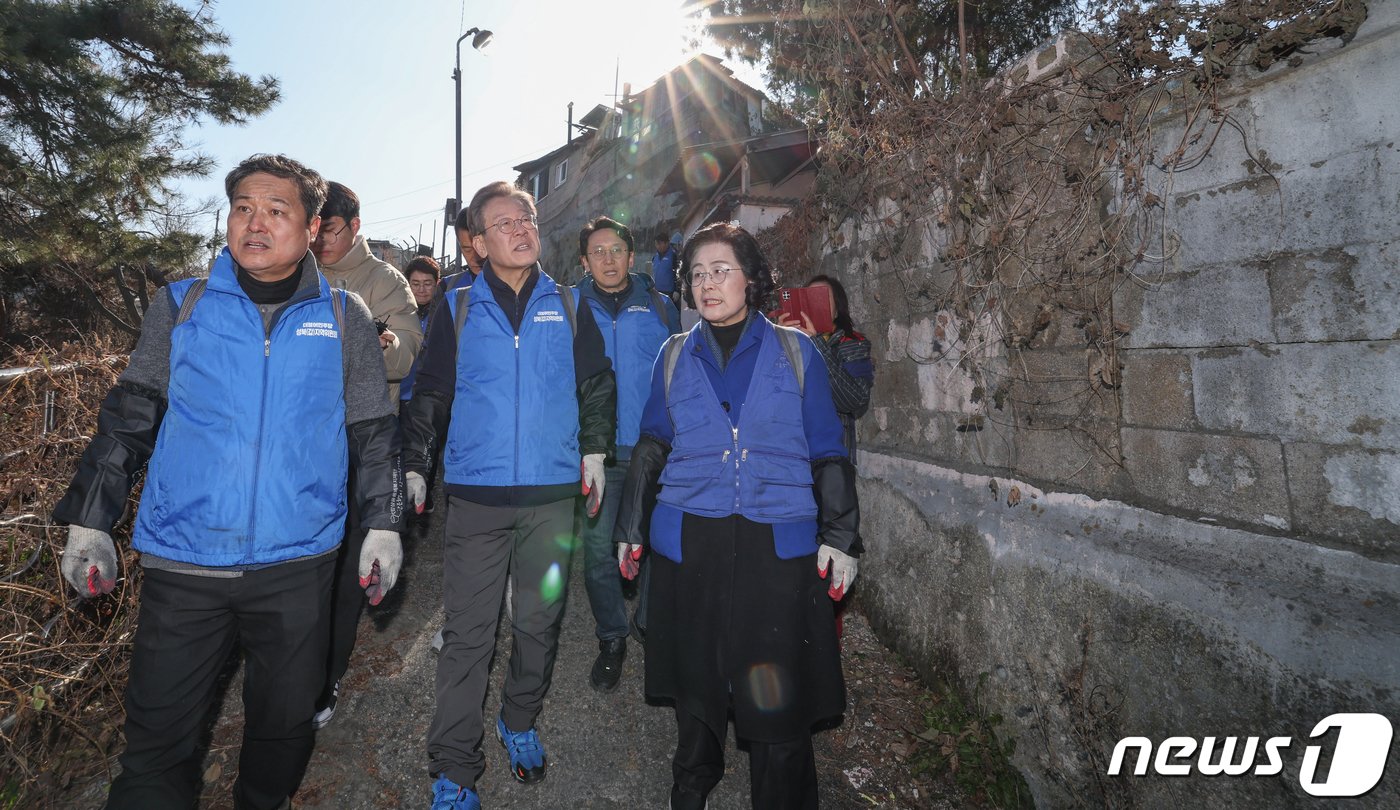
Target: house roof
x=702, y=61
x=704, y=169
x=546, y=159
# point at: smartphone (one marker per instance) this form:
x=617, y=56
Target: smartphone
x=815, y=302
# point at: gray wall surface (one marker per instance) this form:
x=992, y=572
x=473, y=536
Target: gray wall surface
x=1239, y=572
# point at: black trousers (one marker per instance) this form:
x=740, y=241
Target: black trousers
x=187, y=627
x=347, y=597
x=783, y=776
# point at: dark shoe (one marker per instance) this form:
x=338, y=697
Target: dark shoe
x=607, y=669
x=527, y=759
x=682, y=799
x=638, y=632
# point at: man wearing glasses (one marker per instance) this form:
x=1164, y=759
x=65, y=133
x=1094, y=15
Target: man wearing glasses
x=636, y=319
x=347, y=263
x=517, y=376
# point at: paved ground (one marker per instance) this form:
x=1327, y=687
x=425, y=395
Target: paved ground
x=605, y=751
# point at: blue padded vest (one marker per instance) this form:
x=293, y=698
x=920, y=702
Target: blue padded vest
x=760, y=468
x=515, y=406
x=251, y=462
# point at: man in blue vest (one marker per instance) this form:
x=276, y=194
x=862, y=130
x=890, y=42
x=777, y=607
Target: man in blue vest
x=247, y=393
x=517, y=377
x=635, y=320
x=663, y=267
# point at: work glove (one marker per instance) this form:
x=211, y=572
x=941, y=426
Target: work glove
x=629, y=559
x=89, y=561
x=593, y=479
x=417, y=491
x=380, y=558
x=843, y=570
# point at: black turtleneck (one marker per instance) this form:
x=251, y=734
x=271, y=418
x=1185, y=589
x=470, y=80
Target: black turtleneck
x=269, y=292
x=727, y=337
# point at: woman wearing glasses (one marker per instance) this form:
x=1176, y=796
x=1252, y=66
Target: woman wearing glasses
x=755, y=515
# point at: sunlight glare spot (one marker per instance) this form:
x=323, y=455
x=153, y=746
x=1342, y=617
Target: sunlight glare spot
x=701, y=171
x=552, y=586
x=768, y=685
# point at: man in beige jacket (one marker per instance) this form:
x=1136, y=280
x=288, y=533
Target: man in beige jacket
x=347, y=262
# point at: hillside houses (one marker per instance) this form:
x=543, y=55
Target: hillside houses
x=692, y=144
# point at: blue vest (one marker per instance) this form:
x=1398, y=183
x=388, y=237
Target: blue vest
x=632, y=343
x=515, y=406
x=251, y=461
x=760, y=468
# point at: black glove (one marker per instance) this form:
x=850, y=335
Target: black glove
x=639, y=491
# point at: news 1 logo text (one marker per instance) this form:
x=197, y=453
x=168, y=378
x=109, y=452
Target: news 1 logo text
x=1358, y=759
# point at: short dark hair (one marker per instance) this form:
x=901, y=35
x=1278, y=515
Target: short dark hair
x=464, y=220
x=491, y=191
x=661, y=237
x=758, y=293
x=604, y=223
x=842, y=317
x=423, y=264
x=311, y=186
x=340, y=202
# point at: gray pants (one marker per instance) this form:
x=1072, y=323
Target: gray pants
x=482, y=545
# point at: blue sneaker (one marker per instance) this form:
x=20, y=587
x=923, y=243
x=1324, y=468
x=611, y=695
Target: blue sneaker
x=448, y=795
x=527, y=760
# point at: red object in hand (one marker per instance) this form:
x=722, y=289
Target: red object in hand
x=371, y=584
x=834, y=592
x=97, y=585
x=630, y=563
x=595, y=502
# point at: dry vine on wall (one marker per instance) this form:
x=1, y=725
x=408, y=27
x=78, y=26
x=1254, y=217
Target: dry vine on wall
x=1043, y=191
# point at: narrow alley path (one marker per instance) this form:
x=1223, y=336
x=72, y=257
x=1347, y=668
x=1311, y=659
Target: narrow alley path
x=605, y=751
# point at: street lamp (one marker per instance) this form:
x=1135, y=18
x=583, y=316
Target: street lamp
x=480, y=41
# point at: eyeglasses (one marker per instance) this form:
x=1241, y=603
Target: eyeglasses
x=509, y=226
x=328, y=235
x=600, y=253
x=719, y=274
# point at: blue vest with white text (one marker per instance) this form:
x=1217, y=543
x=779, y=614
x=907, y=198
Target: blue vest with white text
x=632, y=341
x=515, y=407
x=251, y=460
x=760, y=468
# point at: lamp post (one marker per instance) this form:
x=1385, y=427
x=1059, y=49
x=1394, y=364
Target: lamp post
x=480, y=40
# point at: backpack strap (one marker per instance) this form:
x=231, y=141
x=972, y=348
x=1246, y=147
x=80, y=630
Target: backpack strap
x=570, y=306
x=185, y=308
x=460, y=308
x=672, y=353
x=658, y=303
x=792, y=347
x=338, y=309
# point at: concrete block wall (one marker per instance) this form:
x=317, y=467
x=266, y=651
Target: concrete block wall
x=1212, y=548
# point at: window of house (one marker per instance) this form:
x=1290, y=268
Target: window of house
x=539, y=184
x=561, y=173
